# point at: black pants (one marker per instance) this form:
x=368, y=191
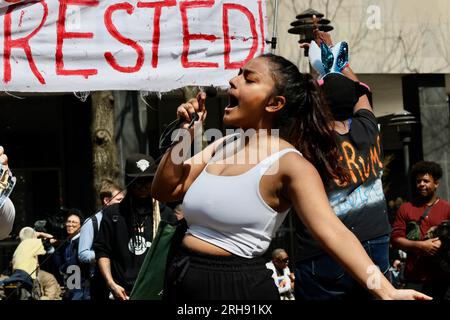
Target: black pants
x=99, y=288
x=434, y=288
x=437, y=289
x=193, y=277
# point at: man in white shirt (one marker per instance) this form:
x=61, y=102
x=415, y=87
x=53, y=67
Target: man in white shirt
x=281, y=274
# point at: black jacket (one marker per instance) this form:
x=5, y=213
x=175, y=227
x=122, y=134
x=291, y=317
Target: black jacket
x=125, y=237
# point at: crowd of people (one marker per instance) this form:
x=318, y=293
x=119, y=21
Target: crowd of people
x=305, y=134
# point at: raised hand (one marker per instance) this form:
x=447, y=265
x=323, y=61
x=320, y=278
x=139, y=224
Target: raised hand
x=188, y=110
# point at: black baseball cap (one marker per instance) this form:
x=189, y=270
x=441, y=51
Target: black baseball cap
x=140, y=165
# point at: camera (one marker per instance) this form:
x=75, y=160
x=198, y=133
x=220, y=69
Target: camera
x=442, y=257
x=47, y=245
x=53, y=224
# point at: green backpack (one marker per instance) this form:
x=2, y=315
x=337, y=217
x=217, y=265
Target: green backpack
x=149, y=284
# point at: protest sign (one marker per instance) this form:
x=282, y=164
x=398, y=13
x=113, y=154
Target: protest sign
x=86, y=45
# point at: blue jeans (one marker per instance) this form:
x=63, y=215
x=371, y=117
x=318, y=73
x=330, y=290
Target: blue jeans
x=322, y=278
x=19, y=276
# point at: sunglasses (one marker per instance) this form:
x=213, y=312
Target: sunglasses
x=285, y=260
x=143, y=181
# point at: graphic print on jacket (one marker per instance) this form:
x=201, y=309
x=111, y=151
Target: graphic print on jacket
x=365, y=188
x=360, y=203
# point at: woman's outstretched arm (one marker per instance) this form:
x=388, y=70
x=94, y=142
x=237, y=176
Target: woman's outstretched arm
x=305, y=190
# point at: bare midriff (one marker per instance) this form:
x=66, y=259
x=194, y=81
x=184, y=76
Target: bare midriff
x=198, y=245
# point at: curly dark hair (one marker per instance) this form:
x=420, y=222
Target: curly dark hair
x=427, y=167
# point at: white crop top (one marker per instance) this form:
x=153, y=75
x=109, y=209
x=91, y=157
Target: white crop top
x=229, y=211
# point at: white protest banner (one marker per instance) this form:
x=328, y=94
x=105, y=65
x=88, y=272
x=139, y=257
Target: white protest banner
x=86, y=45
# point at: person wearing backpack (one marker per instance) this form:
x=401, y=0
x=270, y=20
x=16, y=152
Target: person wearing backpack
x=129, y=227
x=110, y=193
x=426, y=210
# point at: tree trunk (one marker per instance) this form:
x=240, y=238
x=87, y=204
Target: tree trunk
x=105, y=162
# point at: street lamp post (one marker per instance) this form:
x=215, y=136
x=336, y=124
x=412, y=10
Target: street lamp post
x=307, y=22
x=403, y=122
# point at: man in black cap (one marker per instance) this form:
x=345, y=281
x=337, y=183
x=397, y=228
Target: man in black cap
x=128, y=227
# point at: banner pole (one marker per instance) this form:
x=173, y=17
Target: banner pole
x=275, y=28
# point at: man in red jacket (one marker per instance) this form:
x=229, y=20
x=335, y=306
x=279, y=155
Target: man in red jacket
x=421, y=254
